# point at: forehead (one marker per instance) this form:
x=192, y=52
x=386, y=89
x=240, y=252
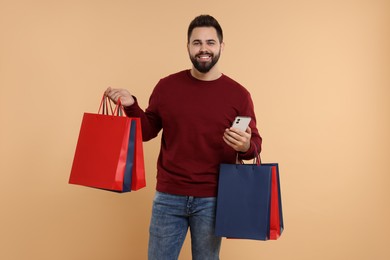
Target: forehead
x=204, y=33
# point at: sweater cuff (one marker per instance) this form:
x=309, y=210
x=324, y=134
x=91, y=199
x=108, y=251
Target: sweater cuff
x=250, y=154
x=132, y=109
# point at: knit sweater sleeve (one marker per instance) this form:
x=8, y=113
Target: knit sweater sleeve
x=256, y=140
x=150, y=120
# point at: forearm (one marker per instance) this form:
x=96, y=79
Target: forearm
x=151, y=125
x=254, y=149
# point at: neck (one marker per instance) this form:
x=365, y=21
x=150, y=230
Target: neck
x=213, y=74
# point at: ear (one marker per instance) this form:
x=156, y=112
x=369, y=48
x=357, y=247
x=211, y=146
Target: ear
x=222, y=46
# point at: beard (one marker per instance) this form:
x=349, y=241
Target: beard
x=205, y=67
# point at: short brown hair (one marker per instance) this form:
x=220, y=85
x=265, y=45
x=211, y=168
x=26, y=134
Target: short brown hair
x=205, y=21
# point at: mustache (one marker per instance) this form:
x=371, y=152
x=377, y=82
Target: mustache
x=205, y=52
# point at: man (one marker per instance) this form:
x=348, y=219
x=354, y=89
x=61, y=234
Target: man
x=195, y=109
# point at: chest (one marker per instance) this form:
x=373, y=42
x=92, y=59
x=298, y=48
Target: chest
x=196, y=107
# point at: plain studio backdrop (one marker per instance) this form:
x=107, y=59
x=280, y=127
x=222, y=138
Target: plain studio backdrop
x=319, y=74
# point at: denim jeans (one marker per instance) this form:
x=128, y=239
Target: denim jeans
x=172, y=215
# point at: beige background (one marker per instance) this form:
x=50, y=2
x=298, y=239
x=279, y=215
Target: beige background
x=319, y=75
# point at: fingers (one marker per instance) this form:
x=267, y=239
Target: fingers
x=238, y=140
x=237, y=132
x=234, y=137
x=249, y=131
x=115, y=94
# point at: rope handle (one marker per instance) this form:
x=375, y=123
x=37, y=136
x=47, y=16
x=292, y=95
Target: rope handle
x=256, y=158
x=106, y=103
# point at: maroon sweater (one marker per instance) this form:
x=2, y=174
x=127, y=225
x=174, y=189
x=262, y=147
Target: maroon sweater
x=193, y=115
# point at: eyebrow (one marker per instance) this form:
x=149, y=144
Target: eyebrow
x=209, y=40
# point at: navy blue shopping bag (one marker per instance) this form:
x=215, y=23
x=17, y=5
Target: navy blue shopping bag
x=249, y=202
x=130, y=159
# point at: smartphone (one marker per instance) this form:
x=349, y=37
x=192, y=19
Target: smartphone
x=241, y=122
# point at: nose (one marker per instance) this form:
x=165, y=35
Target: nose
x=203, y=47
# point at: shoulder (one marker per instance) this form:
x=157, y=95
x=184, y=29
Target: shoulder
x=232, y=84
x=178, y=76
x=172, y=83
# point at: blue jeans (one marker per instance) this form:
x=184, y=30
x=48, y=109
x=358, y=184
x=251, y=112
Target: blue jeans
x=171, y=217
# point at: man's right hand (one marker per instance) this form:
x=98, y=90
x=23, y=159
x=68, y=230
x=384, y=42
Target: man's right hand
x=116, y=93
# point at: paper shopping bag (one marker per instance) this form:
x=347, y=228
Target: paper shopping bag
x=138, y=174
x=249, y=202
x=105, y=152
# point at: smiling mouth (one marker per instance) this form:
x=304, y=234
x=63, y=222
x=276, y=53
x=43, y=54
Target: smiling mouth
x=204, y=57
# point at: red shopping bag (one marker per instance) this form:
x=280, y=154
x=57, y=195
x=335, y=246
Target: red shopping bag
x=105, y=152
x=276, y=219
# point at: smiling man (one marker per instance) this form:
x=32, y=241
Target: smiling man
x=194, y=109
x=205, y=47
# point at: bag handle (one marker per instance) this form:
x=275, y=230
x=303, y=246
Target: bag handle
x=105, y=102
x=256, y=158
x=119, y=110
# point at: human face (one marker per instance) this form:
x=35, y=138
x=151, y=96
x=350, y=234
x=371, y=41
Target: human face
x=204, y=48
